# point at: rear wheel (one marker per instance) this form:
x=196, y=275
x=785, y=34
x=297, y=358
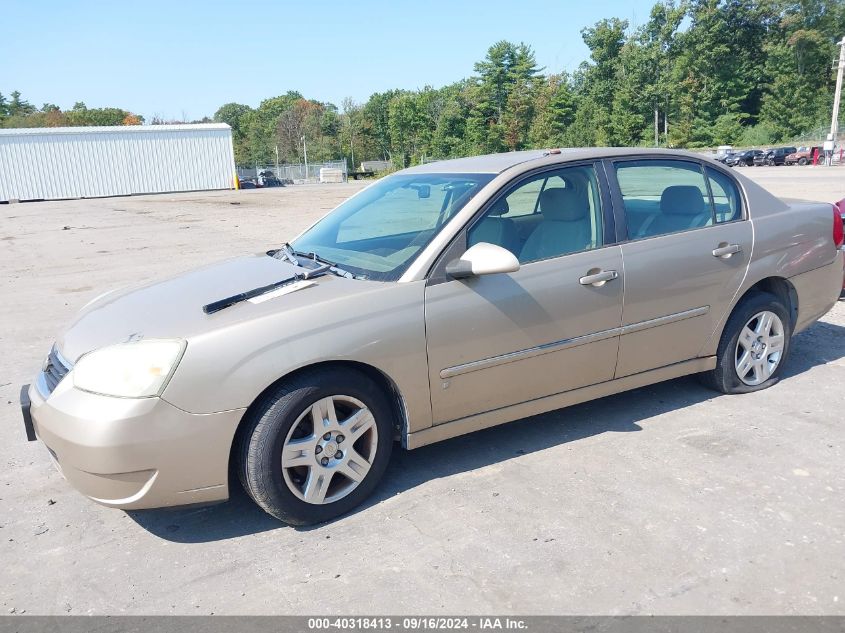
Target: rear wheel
x=316, y=446
x=753, y=347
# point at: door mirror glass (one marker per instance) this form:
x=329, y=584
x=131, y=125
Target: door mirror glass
x=483, y=259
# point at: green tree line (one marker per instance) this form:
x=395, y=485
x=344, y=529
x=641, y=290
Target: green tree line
x=698, y=73
x=701, y=72
x=17, y=112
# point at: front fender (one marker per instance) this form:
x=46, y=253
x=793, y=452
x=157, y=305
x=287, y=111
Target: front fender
x=377, y=324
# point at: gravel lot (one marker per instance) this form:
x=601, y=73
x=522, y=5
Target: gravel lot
x=666, y=500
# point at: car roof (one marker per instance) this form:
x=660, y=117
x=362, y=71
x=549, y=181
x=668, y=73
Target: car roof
x=497, y=163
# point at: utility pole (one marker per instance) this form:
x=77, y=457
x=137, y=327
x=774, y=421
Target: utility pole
x=305, y=151
x=837, y=95
x=656, y=126
x=830, y=143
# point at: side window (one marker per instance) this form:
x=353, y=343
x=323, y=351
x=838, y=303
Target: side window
x=726, y=199
x=544, y=216
x=523, y=201
x=663, y=196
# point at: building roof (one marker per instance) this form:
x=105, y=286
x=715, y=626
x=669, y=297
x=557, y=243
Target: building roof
x=497, y=163
x=112, y=129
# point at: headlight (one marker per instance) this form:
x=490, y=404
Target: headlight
x=129, y=370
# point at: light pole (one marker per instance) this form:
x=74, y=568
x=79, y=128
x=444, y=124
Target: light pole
x=305, y=152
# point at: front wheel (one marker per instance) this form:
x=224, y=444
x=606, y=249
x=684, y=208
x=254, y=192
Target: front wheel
x=753, y=347
x=316, y=446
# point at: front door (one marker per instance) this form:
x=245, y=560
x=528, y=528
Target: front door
x=687, y=254
x=552, y=326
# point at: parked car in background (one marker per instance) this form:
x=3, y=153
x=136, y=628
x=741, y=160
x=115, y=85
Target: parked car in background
x=802, y=156
x=267, y=178
x=264, y=178
x=760, y=159
x=725, y=157
x=723, y=151
x=777, y=156
x=744, y=158
x=440, y=300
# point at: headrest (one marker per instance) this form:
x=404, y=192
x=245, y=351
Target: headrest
x=500, y=207
x=561, y=204
x=682, y=200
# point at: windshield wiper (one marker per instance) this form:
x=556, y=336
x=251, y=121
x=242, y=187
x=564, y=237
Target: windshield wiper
x=333, y=267
x=287, y=253
x=216, y=306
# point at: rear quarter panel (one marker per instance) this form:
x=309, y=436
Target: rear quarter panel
x=793, y=241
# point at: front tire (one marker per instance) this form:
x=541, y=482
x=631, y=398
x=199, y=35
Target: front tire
x=754, y=346
x=316, y=446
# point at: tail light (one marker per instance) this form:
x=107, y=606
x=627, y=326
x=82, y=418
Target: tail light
x=838, y=228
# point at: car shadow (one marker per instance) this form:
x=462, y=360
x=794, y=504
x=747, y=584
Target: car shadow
x=819, y=344
x=621, y=413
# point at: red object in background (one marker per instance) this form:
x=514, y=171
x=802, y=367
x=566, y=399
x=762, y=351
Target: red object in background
x=816, y=156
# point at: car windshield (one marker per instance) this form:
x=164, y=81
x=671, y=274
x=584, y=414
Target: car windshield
x=377, y=233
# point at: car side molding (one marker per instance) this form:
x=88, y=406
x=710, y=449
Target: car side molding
x=558, y=401
x=531, y=352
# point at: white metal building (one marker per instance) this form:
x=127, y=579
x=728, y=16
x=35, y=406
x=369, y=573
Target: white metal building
x=89, y=162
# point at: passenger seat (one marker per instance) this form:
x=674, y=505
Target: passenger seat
x=565, y=227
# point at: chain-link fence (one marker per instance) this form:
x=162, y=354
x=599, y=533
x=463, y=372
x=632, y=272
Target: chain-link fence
x=266, y=175
x=818, y=135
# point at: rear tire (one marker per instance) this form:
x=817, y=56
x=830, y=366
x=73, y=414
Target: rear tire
x=754, y=346
x=316, y=446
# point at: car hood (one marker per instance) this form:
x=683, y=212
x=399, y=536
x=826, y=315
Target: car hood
x=172, y=308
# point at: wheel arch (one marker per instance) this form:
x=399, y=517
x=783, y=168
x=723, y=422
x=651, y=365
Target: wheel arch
x=782, y=288
x=387, y=384
x=778, y=286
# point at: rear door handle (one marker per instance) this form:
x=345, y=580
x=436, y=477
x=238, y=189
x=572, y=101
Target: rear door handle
x=599, y=278
x=725, y=250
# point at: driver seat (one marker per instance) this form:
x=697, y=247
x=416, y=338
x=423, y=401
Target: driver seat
x=494, y=229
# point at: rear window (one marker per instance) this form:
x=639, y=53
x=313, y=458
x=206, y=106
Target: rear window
x=663, y=196
x=727, y=202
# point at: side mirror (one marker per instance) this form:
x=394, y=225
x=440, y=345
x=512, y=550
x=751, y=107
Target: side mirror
x=483, y=259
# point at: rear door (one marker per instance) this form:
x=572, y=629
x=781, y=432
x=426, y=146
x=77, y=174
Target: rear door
x=687, y=251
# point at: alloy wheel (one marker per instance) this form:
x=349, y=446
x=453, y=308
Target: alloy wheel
x=759, y=349
x=329, y=449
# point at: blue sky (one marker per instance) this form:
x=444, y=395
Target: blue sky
x=189, y=57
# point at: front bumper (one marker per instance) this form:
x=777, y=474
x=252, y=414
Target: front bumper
x=133, y=453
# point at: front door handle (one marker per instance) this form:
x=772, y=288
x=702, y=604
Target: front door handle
x=598, y=277
x=725, y=250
